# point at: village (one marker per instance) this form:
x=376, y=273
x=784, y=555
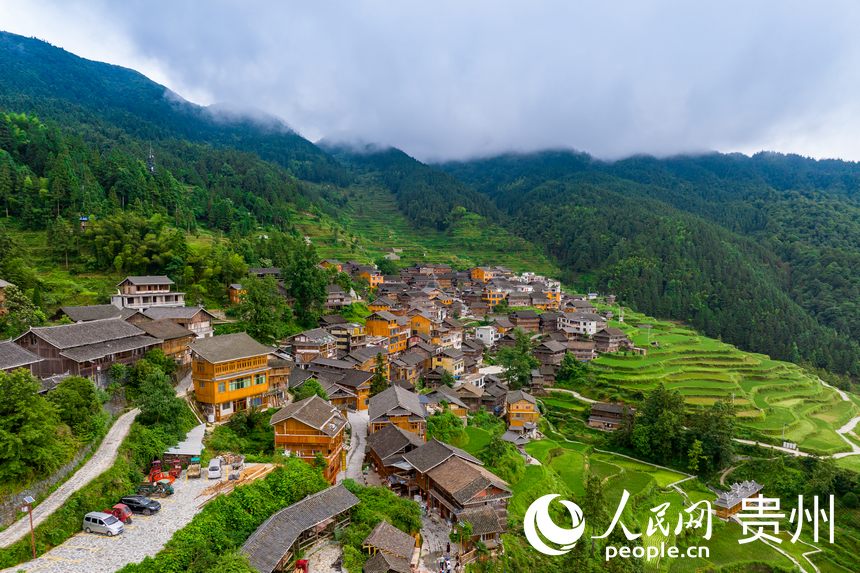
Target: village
x=432, y=335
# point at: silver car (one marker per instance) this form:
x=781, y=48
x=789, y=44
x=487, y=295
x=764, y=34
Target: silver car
x=98, y=522
x=214, y=470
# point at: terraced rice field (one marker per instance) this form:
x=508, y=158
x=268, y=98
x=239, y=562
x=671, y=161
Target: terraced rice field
x=771, y=396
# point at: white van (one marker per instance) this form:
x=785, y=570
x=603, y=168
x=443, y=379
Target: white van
x=214, y=469
x=98, y=522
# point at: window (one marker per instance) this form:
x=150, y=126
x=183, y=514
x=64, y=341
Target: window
x=239, y=383
x=260, y=379
x=257, y=402
x=220, y=386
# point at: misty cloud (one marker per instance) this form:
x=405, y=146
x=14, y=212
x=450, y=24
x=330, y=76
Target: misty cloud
x=445, y=80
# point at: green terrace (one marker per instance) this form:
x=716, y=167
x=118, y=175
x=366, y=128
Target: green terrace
x=771, y=396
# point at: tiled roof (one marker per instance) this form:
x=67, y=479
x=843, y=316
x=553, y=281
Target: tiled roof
x=270, y=542
x=165, y=329
x=737, y=493
x=390, y=540
x=394, y=400
x=434, y=453
x=517, y=395
x=229, y=347
x=80, y=334
x=148, y=280
x=484, y=520
x=384, y=563
x=464, y=480
x=392, y=440
x=90, y=352
x=13, y=356
x=174, y=312
x=91, y=312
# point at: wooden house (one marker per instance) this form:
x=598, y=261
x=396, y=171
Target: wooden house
x=230, y=373
x=550, y=352
x=309, y=429
x=385, y=451
x=86, y=349
x=235, y=293
x=482, y=274
x=605, y=416
x=175, y=339
x=527, y=320
x=520, y=409
x=470, y=395
x=390, y=550
x=394, y=328
x=142, y=292
x=311, y=344
x=611, y=340
x=348, y=336
x=728, y=503
x=443, y=398
x=195, y=318
x=399, y=407
x=451, y=360
x=13, y=357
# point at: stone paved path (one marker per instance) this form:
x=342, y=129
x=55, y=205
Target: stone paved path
x=358, y=421
x=100, y=461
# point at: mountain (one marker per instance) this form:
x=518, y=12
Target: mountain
x=57, y=85
x=760, y=250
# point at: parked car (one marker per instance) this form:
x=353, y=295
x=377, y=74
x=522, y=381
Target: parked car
x=214, y=469
x=99, y=522
x=141, y=504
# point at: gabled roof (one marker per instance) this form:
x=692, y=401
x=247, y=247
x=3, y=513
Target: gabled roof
x=469, y=389
x=67, y=336
x=91, y=312
x=147, y=280
x=611, y=331
x=384, y=563
x=13, y=356
x=443, y=393
x=366, y=353
x=552, y=346
x=392, y=440
x=390, y=540
x=464, y=480
x=228, y=347
x=315, y=335
x=410, y=358
x=384, y=315
x=355, y=378
x=270, y=542
x=165, y=329
x=331, y=363
x=314, y=412
x=517, y=395
x=434, y=453
x=483, y=518
x=395, y=401
x=526, y=314
x=174, y=312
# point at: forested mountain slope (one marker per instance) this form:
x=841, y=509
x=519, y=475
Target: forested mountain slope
x=760, y=250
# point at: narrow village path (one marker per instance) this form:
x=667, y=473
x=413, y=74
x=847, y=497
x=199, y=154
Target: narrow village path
x=575, y=394
x=100, y=462
x=358, y=421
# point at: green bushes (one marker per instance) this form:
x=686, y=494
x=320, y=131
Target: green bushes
x=211, y=541
x=247, y=432
x=377, y=504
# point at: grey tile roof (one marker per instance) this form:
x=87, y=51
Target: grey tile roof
x=464, y=480
x=384, y=563
x=484, y=520
x=84, y=333
x=354, y=378
x=737, y=493
x=392, y=440
x=443, y=393
x=229, y=347
x=317, y=335
x=270, y=542
x=148, y=280
x=187, y=312
x=91, y=352
x=395, y=400
x=91, y=312
x=165, y=329
x=552, y=346
x=517, y=395
x=13, y=356
x=314, y=412
x=434, y=453
x=387, y=538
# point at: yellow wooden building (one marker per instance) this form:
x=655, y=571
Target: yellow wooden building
x=230, y=373
x=520, y=409
x=310, y=429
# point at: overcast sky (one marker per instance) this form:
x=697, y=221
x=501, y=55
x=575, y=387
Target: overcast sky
x=457, y=79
